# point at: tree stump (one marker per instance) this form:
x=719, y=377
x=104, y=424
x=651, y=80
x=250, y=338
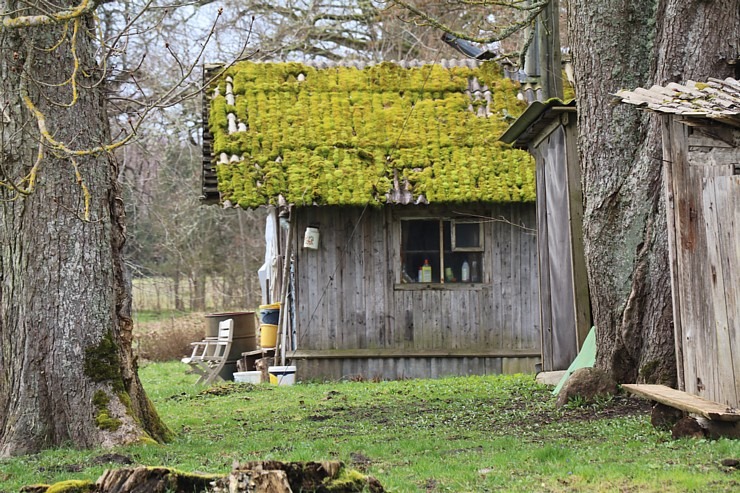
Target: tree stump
x=250, y=477
x=152, y=480
x=665, y=417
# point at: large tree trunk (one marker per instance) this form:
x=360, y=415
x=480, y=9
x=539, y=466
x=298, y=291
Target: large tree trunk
x=67, y=375
x=628, y=44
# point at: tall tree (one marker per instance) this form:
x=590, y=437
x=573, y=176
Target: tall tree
x=67, y=375
x=628, y=44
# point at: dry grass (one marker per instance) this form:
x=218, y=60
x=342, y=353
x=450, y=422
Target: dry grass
x=168, y=339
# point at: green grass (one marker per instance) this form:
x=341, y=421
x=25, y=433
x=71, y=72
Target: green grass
x=146, y=316
x=455, y=434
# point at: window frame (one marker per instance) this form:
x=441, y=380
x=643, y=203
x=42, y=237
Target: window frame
x=441, y=218
x=453, y=235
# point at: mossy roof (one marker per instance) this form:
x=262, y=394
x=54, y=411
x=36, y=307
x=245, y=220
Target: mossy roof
x=348, y=135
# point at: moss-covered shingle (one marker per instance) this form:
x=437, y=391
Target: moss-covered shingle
x=347, y=136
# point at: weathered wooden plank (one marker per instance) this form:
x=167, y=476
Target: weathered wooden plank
x=377, y=257
x=494, y=366
x=716, y=202
x=496, y=336
x=506, y=281
x=487, y=321
x=442, y=336
x=689, y=240
x=398, y=315
x=516, y=281
x=543, y=269
x=731, y=233
x=306, y=301
x=518, y=365
x=575, y=208
x=433, y=309
x=525, y=279
x=485, y=306
x=407, y=316
x=392, y=276
x=414, y=353
x=714, y=136
x=668, y=187
x=478, y=328
x=684, y=401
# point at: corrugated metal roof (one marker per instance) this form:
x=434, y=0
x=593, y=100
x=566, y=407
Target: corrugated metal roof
x=715, y=99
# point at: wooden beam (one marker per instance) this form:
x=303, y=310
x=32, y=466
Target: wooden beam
x=686, y=402
x=412, y=353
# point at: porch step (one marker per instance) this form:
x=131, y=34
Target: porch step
x=686, y=402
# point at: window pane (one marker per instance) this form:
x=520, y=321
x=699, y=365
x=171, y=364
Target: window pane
x=455, y=270
x=419, y=244
x=467, y=235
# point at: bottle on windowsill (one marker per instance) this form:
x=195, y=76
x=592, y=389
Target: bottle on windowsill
x=426, y=272
x=474, y=271
x=465, y=275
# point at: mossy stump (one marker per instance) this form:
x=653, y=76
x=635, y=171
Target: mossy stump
x=250, y=477
x=287, y=477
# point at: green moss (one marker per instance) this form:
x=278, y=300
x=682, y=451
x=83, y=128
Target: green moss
x=647, y=370
x=106, y=422
x=100, y=399
x=155, y=426
x=347, y=480
x=102, y=363
x=343, y=134
x=147, y=440
x=102, y=413
x=125, y=400
x=72, y=486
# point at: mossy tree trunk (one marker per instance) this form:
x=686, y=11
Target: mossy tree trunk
x=67, y=375
x=629, y=44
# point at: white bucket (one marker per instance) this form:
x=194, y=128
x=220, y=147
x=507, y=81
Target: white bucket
x=311, y=240
x=282, y=375
x=248, y=376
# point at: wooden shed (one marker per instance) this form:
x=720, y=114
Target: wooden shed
x=548, y=131
x=701, y=149
x=425, y=263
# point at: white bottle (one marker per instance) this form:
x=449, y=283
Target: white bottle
x=465, y=272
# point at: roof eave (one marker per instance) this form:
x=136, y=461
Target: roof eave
x=537, y=115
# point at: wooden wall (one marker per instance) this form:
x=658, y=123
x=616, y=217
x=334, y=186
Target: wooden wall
x=703, y=193
x=354, y=318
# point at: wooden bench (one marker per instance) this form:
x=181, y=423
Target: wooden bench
x=209, y=355
x=686, y=402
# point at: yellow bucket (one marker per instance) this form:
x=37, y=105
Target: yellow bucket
x=268, y=335
x=270, y=314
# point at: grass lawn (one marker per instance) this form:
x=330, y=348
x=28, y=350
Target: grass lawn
x=456, y=434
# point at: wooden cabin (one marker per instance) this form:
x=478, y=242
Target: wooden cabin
x=701, y=162
x=425, y=261
x=548, y=131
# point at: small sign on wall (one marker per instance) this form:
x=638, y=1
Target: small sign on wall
x=311, y=239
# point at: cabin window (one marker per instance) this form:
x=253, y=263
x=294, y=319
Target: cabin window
x=441, y=251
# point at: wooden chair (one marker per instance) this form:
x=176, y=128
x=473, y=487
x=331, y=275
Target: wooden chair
x=209, y=355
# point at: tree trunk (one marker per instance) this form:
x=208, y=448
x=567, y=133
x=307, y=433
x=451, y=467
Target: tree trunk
x=179, y=303
x=629, y=44
x=67, y=374
x=200, y=289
